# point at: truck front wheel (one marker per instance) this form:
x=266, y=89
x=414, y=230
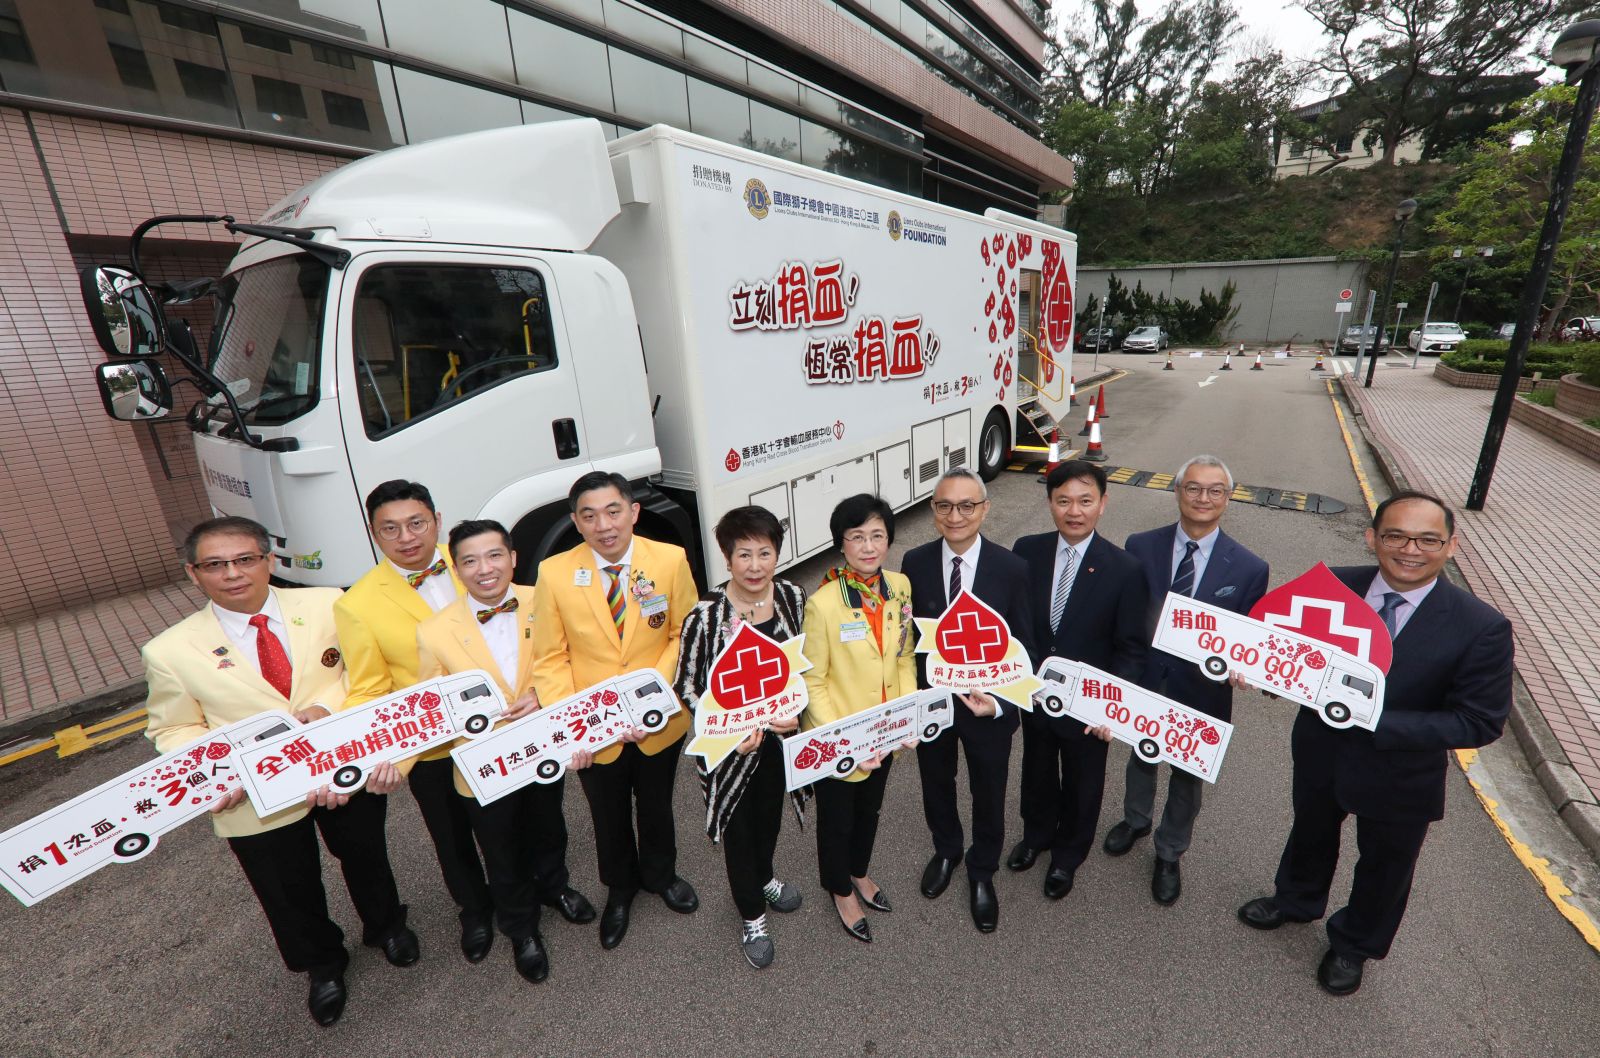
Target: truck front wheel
x=1336, y=713
x=994, y=445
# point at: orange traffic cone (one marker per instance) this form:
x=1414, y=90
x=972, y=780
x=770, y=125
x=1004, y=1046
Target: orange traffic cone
x=1169, y=366
x=1318, y=365
x=1072, y=392
x=1094, y=453
x=1100, y=413
x=1088, y=421
x=1227, y=361
x=1257, y=365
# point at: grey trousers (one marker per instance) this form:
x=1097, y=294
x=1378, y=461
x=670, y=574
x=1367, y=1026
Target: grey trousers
x=1177, y=820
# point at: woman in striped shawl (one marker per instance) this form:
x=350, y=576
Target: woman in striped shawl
x=744, y=794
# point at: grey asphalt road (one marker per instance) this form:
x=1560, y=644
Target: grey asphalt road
x=170, y=956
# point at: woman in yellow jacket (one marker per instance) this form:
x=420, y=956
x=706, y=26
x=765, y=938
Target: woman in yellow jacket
x=859, y=642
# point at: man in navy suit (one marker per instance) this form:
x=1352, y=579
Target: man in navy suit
x=938, y=570
x=1196, y=558
x=1089, y=604
x=1448, y=687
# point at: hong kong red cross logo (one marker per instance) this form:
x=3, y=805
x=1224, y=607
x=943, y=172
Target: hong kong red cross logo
x=968, y=640
x=751, y=678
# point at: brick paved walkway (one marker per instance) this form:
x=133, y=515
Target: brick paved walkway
x=75, y=653
x=1534, y=552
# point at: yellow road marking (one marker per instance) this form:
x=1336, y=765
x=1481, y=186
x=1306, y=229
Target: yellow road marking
x=77, y=738
x=1159, y=481
x=1350, y=446
x=22, y=754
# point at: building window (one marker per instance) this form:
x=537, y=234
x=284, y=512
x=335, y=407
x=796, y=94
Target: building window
x=1345, y=143
x=205, y=84
x=347, y=111
x=13, y=44
x=260, y=38
x=132, y=67
x=1297, y=148
x=183, y=18
x=279, y=98
x=119, y=7
x=333, y=56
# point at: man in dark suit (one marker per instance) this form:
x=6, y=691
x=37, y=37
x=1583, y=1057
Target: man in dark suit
x=1448, y=687
x=1196, y=558
x=938, y=570
x=1089, y=604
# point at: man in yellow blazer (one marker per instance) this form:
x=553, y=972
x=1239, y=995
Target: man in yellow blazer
x=613, y=604
x=250, y=650
x=523, y=835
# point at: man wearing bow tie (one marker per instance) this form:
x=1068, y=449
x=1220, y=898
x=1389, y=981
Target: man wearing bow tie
x=377, y=621
x=1196, y=558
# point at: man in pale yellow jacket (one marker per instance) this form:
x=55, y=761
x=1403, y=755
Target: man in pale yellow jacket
x=254, y=649
x=613, y=604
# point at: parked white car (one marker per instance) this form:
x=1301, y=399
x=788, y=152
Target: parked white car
x=1436, y=338
x=1145, y=340
x=1581, y=328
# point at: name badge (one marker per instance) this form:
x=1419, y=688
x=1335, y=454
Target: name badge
x=851, y=631
x=581, y=578
x=653, y=605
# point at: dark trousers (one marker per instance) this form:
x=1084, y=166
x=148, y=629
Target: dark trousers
x=433, y=785
x=284, y=867
x=634, y=785
x=847, y=827
x=987, y=743
x=750, y=837
x=1063, y=781
x=524, y=840
x=1388, y=848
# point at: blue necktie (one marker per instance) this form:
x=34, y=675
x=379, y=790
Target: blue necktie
x=1389, y=612
x=1183, y=579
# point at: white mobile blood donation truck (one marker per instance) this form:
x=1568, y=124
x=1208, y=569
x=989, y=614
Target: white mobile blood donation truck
x=497, y=313
x=1343, y=689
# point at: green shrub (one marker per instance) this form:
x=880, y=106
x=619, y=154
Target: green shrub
x=1586, y=362
x=1543, y=397
x=1549, y=359
x=1593, y=424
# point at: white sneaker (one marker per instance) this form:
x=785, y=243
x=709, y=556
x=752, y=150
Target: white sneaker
x=781, y=896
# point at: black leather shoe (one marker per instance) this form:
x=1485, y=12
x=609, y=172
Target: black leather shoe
x=1022, y=856
x=401, y=947
x=614, y=920
x=680, y=897
x=1338, y=975
x=532, y=962
x=477, y=937
x=936, y=876
x=572, y=905
x=858, y=929
x=1263, y=913
x=1120, y=838
x=878, y=901
x=1166, y=885
x=1057, y=883
x=326, y=1001
x=985, y=907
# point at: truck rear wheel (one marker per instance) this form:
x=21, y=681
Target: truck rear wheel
x=1216, y=667
x=1148, y=749
x=1054, y=705
x=994, y=445
x=1336, y=713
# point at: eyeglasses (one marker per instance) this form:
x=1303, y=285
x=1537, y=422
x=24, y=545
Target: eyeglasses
x=858, y=538
x=214, y=566
x=1215, y=492
x=1397, y=541
x=416, y=527
x=944, y=508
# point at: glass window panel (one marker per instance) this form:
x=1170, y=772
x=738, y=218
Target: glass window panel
x=345, y=60
x=278, y=99
x=648, y=92
x=354, y=19
x=714, y=58
x=314, y=91
x=13, y=41
x=585, y=10
x=533, y=113
x=346, y=111
x=204, y=84
x=887, y=10
x=774, y=131
x=913, y=25
x=643, y=29
x=773, y=84
x=818, y=144
x=821, y=103
x=719, y=113
x=132, y=67
x=185, y=18
x=435, y=107
x=467, y=35
x=261, y=38
x=561, y=63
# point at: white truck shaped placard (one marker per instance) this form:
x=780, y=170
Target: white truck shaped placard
x=537, y=747
x=341, y=750
x=833, y=750
x=1158, y=728
x=1343, y=689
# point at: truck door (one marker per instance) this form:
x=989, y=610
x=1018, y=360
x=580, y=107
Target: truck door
x=454, y=372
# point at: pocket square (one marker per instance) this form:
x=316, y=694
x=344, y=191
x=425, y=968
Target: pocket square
x=1224, y=591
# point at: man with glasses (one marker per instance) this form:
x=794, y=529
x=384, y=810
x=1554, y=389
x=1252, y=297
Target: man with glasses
x=1192, y=557
x=253, y=649
x=377, y=621
x=1448, y=687
x=962, y=558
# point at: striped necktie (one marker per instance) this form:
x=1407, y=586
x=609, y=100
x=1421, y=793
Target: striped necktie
x=614, y=597
x=1183, y=579
x=1069, y=573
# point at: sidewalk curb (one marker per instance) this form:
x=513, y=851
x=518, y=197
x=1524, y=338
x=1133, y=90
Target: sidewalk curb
x=1569, y=795
x=45, y=721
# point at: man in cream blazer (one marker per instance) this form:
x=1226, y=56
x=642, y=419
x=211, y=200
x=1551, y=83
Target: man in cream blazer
x=613, y=604
x=523, y=835
x=254, y=649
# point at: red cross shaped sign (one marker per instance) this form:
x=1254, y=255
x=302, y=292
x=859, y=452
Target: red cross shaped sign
x=970, y=633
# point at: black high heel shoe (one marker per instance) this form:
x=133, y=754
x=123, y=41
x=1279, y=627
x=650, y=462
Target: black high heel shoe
x=878, y=901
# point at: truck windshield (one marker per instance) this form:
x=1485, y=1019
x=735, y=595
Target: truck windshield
x=268, y=336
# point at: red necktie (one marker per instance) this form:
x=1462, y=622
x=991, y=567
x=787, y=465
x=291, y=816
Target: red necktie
x=269, y=652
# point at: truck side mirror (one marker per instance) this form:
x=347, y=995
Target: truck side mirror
x=134, y=390
x=125, y=315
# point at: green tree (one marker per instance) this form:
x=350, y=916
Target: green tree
x=1504, y=191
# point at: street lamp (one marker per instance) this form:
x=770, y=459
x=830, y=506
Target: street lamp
x=1402, y=213
x=1575, y=50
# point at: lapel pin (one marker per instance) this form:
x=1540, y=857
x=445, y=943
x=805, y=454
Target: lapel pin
x=220, y=651
x=297, y=621
x=224, y=664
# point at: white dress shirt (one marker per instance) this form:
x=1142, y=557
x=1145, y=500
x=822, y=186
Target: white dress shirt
x=1180, y=545
x=243, y=636
x=601, y=562
x=500, y=633
x=439, y=590
x=1082, y=548
x=1413, y=599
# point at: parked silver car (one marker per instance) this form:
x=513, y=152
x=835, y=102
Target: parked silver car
x=1145, y=340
